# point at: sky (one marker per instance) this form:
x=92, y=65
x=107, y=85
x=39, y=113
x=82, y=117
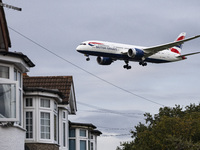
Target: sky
x=110, y=97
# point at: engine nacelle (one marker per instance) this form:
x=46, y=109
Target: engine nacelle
x=104, y=60
x=135, y=53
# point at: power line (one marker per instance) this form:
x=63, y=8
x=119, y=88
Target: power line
x=100, y=111
x=116, y=86
x=103, y=110
x=116, y=129
x=104, y=135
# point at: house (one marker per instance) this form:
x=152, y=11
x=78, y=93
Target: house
x=83, y=136
x=48, y=102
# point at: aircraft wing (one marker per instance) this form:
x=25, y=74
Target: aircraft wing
x=152, y=50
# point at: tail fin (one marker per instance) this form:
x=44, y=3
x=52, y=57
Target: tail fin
x=177, y=49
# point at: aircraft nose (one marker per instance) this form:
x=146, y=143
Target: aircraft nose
x=78, y=48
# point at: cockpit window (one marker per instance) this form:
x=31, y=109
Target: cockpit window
x=83, y=44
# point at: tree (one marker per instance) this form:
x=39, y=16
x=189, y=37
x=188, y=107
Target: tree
x=170, y=129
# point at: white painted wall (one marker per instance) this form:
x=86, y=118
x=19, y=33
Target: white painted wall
x=12, y=138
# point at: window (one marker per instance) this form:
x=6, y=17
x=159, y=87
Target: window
x=92, y=146
x=64, y=135
x=82, y=145
x=72, y=144
x=82, y=133
x=64, y=115
x=45, y=103
x=72, y=132
x=29, y=102
x=4, y=72
x=18, y=77
x=55, y=127
x=45, y=125
x=29, y=125
x=8, y=99
x=55, y=107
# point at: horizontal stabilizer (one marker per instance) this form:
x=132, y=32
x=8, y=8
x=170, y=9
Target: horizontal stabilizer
x=188, y=54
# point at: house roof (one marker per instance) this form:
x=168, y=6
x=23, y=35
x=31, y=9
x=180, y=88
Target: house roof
x=4, y=34
x=38, y=89
x=96, y=132
x=19, y=55
x=61, y=83
x=83, y=125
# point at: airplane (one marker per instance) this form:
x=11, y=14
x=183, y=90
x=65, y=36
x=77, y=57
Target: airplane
x=108, y=52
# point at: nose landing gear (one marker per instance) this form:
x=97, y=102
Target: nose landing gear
x=88, y=58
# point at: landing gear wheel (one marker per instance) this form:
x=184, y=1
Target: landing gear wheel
x=143, y=63
x=127, y=67
x=87, y=59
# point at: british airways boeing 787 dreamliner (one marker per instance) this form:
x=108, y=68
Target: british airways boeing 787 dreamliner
x=108, y=52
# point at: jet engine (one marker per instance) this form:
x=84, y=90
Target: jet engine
x=135, y=53
x=104, y=60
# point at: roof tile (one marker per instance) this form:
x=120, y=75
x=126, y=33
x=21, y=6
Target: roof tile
x=62, y=83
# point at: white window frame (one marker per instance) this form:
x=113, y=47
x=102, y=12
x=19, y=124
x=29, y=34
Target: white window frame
x=49, y=126
x=16, y=119
x=32, y=123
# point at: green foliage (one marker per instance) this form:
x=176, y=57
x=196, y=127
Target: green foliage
x=170, y=129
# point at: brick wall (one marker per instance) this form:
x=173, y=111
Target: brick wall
x=41, y=146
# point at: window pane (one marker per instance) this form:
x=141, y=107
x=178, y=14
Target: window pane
x=29, y=125
x=45, y=125
x=29, y=102
x=83, y=133
x=92, y=146
x=19, y=78
x=72, y=144
x=45, y=103
x=63, y=115
x=64, y=135
x=72, y=132
x=55, y=107
x=4, y=72
x=7, y=101
x=82, y=145
x=55, y=128
x=15, y=75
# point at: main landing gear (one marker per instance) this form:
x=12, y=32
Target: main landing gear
x=143, y=63
x=127, y=65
